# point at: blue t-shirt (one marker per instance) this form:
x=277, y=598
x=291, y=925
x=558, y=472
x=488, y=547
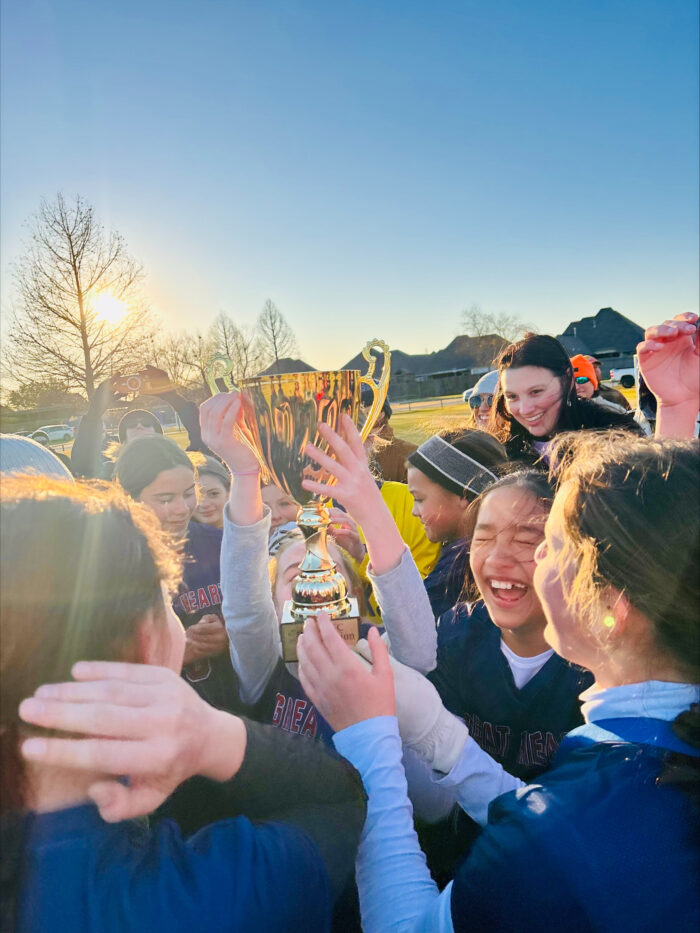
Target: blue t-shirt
x=199, y=594
x=86, y=876
x=597, y=844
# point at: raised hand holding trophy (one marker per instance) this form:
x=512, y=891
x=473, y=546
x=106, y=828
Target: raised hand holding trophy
x=284, y=412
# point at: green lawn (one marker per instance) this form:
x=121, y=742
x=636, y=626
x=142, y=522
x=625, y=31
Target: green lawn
x=418, y=426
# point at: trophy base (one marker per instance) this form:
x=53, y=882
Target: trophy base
x=347, y=626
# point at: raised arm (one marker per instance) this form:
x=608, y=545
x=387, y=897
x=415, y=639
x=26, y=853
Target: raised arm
x=247, y=606
x=406, y=611
x=669, y=361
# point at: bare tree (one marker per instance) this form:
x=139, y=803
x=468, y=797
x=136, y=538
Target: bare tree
x=58, y=332
x=241, y=345
x=475, y=322
x=277, y=338
x=185, y=357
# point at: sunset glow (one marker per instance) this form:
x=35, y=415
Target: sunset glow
x=109, y=308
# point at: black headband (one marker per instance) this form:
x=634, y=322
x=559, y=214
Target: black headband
x=450, y=468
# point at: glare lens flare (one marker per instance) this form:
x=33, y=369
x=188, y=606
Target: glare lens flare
x=109, y=308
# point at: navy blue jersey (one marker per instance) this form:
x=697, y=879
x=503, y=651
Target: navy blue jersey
x=521, y=729
x=598, y=844
x=285, y=704
x=199, y=594
x=445, y=582
x=83, y=875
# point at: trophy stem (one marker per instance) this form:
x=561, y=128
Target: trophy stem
x=318, y=586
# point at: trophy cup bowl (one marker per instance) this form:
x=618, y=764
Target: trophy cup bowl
x=284, y=413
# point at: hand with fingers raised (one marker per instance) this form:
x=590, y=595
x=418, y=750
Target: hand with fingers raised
x=669, y=360
x=218, y=416
x=355, y=487
x=139, y=721
x=357, y=490
x=339, y=683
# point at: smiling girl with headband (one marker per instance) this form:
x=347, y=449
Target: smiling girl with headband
x=445, y=474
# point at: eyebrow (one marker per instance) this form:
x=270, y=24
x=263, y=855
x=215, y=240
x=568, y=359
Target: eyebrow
x=520, y=526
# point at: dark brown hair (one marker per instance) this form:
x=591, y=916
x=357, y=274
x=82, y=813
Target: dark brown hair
x=140, y=462
x=631, y=512
x=534, y=350
x=80, y=565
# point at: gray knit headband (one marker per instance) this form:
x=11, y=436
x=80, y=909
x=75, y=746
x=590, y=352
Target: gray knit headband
x=451, y=468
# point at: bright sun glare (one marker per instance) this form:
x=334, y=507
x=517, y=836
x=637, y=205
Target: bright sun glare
x=109, y=308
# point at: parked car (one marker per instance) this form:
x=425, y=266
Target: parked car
x=627, y=378
x=53, y=434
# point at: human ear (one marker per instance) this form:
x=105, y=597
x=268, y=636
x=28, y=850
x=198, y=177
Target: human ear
x=149, y=641
x=616, y=612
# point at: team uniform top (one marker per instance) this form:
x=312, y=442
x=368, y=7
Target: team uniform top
x=520, y=728
x=602, y=843
x=445, y=582
x=199, y=594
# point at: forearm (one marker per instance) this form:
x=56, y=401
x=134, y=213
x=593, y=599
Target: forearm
x=188, y=413
x=281, y=778
x=406, y=613
x=394, y=883
x=247, y=606
x=474, y=781
x=85, y=453
x=676, y=420
x=382, y=537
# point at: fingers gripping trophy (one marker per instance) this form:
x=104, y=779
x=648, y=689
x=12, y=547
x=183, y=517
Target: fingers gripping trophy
x=283, y=413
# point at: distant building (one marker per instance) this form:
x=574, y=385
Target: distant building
x=609, y=336
x=444, y=372
x=287, y=365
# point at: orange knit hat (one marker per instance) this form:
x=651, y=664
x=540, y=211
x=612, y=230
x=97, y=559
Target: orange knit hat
x=584, y=367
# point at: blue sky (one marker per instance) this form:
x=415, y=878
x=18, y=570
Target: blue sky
x=373, y=167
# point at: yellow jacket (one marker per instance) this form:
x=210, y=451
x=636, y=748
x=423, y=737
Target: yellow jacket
x=425, y=553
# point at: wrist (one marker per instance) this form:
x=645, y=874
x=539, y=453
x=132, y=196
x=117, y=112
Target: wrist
x=224, y=746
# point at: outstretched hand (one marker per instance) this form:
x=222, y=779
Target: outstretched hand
x=355, y=487
x=338, y=682
x=669, y=360
x=224, y=428
x=138, y=720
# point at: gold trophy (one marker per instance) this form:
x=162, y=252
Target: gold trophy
x=283, y=413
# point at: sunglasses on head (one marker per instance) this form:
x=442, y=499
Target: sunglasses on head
x=581, y=380
x=476, y=401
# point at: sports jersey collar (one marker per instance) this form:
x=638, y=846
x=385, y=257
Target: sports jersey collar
x=652, y=699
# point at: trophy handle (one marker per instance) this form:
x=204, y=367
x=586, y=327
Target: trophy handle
x=380, y=388
x=221, y=367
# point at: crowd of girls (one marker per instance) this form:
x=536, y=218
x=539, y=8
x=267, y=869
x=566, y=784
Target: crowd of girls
x=538, y=682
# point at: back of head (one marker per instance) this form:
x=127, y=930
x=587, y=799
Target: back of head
x=80, y=566
x=24, y=455
x=140, y=462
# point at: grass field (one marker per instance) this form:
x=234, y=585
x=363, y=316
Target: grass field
x=416, y=425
